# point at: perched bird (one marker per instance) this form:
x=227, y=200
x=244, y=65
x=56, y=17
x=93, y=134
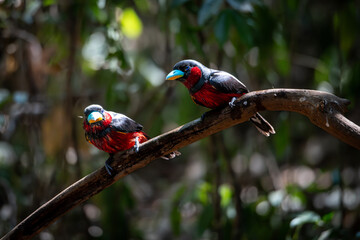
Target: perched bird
x=213, y=88
x=113, y=132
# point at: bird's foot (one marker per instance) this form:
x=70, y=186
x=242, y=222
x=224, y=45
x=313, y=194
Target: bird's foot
x=136, y=146
x=231, y=103
x=107, y=164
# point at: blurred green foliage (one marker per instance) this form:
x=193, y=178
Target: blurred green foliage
x=57, y=57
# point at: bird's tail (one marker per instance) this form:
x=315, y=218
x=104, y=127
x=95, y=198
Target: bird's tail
x=171, y=155
x=262, y=125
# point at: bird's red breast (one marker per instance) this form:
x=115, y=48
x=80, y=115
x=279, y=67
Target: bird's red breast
x=115, y=141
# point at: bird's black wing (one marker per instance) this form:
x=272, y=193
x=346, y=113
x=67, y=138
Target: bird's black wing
x=226, y=83
x=124, y=124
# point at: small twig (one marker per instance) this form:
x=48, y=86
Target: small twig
x=323, y=109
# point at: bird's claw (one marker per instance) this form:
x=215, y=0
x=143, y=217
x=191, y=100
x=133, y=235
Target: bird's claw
x=107, y=165
x=231, y=103
x=136, y=147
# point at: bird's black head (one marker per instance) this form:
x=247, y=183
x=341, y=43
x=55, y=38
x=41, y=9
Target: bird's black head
x=182, y=69
x=94, y=113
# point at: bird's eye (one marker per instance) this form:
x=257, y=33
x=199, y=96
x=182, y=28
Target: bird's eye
x=187, y=68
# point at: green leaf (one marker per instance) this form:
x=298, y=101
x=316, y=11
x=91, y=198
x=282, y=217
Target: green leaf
x=208, y=9
x=328, y=217
x=175, y=219
x=179, y=193
x=205, y=219
x=296, y=192
x=282, y=136
x=222, y=27
x=203, y=191
x=130, y=23
x=305, y=217
x=225, y=192
x=48, y=2
x=243, y=29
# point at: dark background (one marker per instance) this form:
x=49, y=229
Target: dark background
x=57, y=57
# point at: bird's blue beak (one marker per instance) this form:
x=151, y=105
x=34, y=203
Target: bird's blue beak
x=94, y=117
x=175, y=74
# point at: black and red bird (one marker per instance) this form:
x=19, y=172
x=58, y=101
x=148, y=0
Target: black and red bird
x=214, y=88
x=113, y=132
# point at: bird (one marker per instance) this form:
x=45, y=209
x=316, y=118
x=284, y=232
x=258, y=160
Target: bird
x=113, y=132
x=214, y=88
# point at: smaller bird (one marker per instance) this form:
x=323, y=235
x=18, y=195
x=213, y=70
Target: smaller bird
x=113, y=132
x=214, y=88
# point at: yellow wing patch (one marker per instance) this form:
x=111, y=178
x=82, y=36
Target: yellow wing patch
x=121, y=132
x=193, y=98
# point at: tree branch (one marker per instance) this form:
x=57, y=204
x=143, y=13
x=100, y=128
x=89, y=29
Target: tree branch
x=325, y=110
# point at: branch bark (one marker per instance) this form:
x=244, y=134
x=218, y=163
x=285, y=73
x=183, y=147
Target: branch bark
x=325, y=110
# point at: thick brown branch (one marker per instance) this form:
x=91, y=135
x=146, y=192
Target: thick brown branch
x=323, y=109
